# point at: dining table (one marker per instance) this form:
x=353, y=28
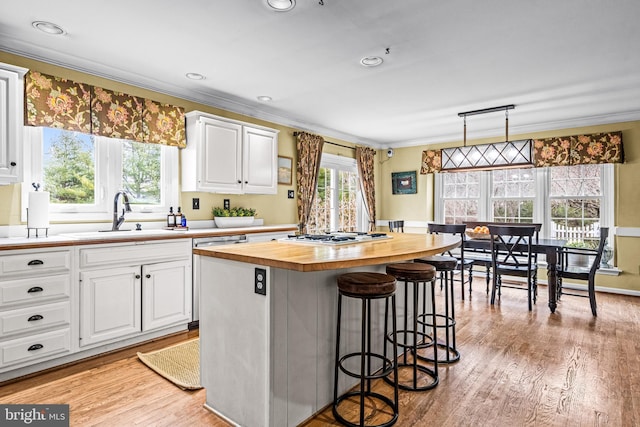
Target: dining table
x=549, y=247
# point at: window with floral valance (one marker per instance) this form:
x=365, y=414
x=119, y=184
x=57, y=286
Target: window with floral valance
x=572, y=150
x=56, y=102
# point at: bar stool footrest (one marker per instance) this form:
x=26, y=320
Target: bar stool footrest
x=387, y=366
x=367, y=394
x=452, y=355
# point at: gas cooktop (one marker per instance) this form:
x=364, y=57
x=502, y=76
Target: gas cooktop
x=334, y=238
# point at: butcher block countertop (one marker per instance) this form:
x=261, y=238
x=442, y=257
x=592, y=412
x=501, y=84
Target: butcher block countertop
x=318, y=257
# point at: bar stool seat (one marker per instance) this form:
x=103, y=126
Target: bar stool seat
x=440, y=262
x=410, y=339
x=367, y=286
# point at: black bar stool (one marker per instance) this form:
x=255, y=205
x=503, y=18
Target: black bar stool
x=367, y=286
x=410, y=339
x=446, y=266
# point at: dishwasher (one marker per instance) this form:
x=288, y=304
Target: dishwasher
x=203, y=242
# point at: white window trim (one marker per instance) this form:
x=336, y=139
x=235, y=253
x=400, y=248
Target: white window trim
x=107, y=173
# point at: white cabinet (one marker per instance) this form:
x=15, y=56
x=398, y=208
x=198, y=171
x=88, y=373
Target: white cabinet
x=11, y=123
x=229, y=156
x=111, y=303
x=133, y=288
x=35, y=306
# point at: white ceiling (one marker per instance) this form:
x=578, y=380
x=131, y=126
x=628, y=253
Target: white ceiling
x=562, y=63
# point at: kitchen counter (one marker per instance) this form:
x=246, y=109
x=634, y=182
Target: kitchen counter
x=93, y=237
x=267, y=350
x=307, y=257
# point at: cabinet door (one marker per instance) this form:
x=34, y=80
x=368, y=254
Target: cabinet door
x=166, y=293
x=11, y=122
x=110, y=304
x=260, y=166
x=220, y=156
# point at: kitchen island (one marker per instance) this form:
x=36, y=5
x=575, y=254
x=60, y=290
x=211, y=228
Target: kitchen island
x=267, y=322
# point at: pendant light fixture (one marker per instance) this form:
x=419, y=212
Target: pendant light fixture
x=500, y=155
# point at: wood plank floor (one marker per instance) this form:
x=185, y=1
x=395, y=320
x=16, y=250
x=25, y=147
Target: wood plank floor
x=517, y=368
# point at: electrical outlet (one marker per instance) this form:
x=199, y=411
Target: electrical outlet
x=261, y=281
x=195, y=203
x=290, y=194
x=227, y=204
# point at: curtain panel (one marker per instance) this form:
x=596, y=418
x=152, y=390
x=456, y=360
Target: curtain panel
x=431, y=161
x=579, y=150
x=309, y=148
x=365, y=161
x=60, y=103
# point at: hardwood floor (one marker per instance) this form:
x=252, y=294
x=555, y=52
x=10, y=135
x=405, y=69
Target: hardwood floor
x=517, y=368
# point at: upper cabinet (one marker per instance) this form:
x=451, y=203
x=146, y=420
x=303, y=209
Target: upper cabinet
x=11, y=123
x=229, y=156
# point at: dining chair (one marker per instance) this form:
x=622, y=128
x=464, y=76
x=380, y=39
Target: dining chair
x=567, y=271
x=482, y=258
x=512, y=255
x=396, y=226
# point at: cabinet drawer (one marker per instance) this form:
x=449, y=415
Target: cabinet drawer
x=35, y=347
x=121, y=255
x=35, y=263
x=34, y=318
x=34, y=290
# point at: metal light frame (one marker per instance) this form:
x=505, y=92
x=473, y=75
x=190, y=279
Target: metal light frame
x=500, y=155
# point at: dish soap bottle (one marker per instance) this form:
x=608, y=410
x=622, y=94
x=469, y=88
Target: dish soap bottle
x=183, y=222
x=179, y=217
x=171, y=218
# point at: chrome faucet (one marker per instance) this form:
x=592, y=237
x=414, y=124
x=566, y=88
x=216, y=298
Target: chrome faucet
x=117, y=222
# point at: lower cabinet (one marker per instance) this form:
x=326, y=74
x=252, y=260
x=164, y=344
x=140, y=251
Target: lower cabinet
x=123, y=301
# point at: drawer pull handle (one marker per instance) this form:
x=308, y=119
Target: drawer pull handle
x=36, y=262
x=35, y=347
x=35, y=289
x=35, y=317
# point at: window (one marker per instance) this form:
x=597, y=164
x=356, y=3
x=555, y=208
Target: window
x=84, y=172
x=512, y=195
x=462, y=196
x=575, y=201
x=572, y=202
x=338, y=204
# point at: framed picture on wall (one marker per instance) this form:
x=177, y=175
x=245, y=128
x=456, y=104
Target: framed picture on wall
x=285, y=164
x=403, y=182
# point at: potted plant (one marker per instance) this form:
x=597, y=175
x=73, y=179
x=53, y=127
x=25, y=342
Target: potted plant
x=233, y=217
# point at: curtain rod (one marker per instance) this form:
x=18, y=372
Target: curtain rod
x=329, y=142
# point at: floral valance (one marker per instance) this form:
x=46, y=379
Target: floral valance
x=431, y=161
x=56, y=102
x=579, y=150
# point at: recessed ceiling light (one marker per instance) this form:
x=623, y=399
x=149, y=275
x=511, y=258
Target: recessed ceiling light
x=371, y=61
x=195, y=76
x=264, y=98
x=281, y=5
x=48, y=27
